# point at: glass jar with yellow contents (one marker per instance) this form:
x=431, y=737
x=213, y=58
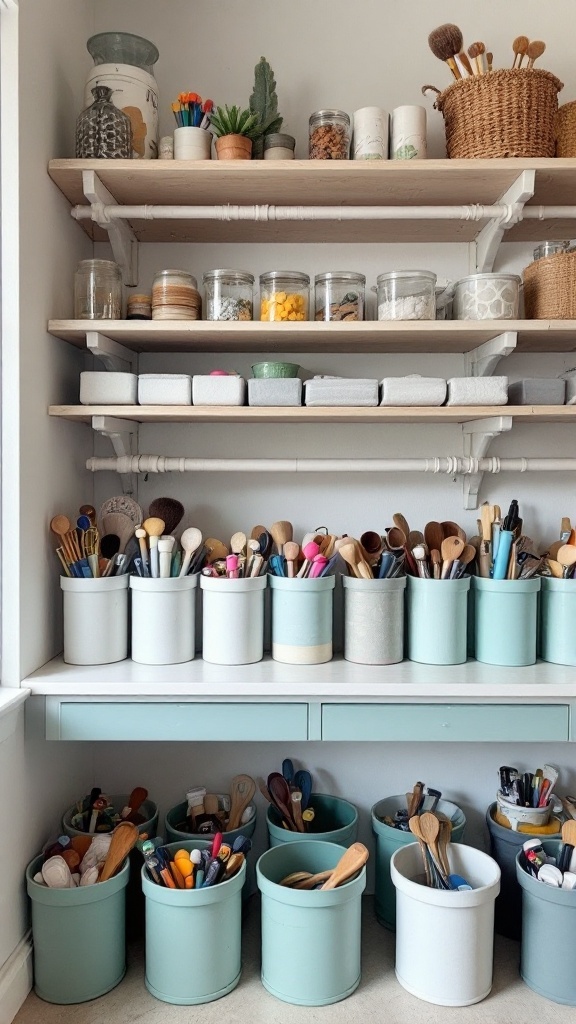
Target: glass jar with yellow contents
x=284, y=295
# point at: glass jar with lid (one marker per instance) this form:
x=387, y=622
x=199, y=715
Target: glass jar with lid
x=406, y=295
x=284, y=295
x=98, y=290
x=175, y=296
x=550, y=248
x=229, y=295
x=329, y=135
x=339, y=295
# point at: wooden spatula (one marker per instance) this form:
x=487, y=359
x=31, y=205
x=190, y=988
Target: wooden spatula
x=242, y=789
x=124, y=838
x=349, y=864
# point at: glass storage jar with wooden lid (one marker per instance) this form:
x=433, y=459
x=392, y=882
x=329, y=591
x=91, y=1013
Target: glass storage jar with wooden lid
x=284, y=295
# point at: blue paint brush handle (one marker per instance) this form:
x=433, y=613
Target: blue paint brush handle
x=503, y=555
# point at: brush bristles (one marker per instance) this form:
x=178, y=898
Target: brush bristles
x=445, y=41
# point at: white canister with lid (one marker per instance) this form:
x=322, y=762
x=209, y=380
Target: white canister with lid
x=370, y=134
x=408, y=133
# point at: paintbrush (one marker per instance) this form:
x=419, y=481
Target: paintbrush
x=445, y=42
x=476, y=52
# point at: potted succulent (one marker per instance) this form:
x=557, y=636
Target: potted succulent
x=234, y=130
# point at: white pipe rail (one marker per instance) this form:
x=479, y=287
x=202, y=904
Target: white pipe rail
x=502, y=212
x=447, y=464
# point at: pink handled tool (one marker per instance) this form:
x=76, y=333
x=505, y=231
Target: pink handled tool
x=319, y=562
x=310, y=551
x=232, y=567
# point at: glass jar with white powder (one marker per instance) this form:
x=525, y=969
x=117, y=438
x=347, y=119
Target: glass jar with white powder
x=406, y=295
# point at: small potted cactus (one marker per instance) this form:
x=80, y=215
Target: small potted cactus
x=234, y=130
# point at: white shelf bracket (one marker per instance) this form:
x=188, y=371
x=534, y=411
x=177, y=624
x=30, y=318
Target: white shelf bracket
x=478, y=436
x=122, y=239
x=483, y=360
x=120, y=433
x=115, y=357
x=486, y=246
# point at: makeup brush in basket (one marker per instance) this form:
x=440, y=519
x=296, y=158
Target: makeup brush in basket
x=446, y=43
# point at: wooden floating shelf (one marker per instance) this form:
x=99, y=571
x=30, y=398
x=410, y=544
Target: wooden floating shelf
x=321, y=183
x=367, y=337
x=303, y=414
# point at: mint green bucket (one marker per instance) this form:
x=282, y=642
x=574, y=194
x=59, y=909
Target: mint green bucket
x=193, y=937
x=148, y=810
x=302, y=619
x=79, y=937
x=506, y=619
x=335, y=821
x=389, y=839
x=548, y=935
x=557, y=618
x=310, y=939
x=177, y=814
x=437, y=620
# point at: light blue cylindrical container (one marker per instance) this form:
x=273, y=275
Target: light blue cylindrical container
x=557, y=619
x=389, y=839
x=373, y=620
x=302, y=619
x=506, y=617
x=548, y=935
x=310, y=938
x=148, y=810
x=335, y=821
x=437, y=619
x=193, y=937
x=176, y=815
x=79, y=937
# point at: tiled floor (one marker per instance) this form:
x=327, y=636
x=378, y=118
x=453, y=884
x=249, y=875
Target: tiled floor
x=378, y=998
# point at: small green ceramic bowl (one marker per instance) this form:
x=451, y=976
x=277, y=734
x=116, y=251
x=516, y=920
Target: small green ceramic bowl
x=275, y=369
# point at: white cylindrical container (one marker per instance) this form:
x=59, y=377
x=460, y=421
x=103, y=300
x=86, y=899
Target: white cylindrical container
x=233, y=620
x=136, y=93
x=95, y=620
x=408, y=133
x=370, y=134
x=166, y=148
x=373, y=620
x=192, y=143
x=445, y=938
x=163, y=618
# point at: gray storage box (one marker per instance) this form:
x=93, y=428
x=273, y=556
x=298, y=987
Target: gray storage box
x=165, y=389
x=108, y=388
x=537, y=391
x=477, y=391
x=218, y=390
x=413, y=390
x=274, y=391
x=341, y=391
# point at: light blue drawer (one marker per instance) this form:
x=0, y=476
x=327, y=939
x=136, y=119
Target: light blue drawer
x=115, y=720
x=451, y=722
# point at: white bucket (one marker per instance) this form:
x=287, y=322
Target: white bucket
x=192, y=143
x=95, y=620
x=233, y=620
x=136, y=93
x=163, y=620
x=444, y=939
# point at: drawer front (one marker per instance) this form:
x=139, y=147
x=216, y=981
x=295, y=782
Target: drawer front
x=106, y=720
x=449, y=722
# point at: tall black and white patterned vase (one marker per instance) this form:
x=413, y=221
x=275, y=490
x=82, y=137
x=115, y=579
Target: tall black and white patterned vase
x=102, y=130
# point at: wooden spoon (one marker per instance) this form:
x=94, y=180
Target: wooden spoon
x=567, y=558
x=519, y=46
x=433, y=535
x=135, y=801
x=60, y=525
x=291, y=554
x=280, y=793
x=443, y=841
x=238, y=543
x=430, y=830
x=401, y=523
x=414, y=826
x=282, y=532
x=556, y=569
x=312, y=880
x=215, y=550
x=453, y=530
x=296, y=876
x=349, y=864
x=569, y=832
x=242, y=789
x=124, y=838
x=190, y=540
x=415, y=537
x=395, y=539
x=452, y=548
x=350, y=552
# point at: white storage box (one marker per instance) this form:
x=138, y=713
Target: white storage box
x=339, y=391
x=477, y=391
x=271, y=391
x=413, y=390
x=217, y=390
x=537, y=391
x=108, y=388
x=165, y=389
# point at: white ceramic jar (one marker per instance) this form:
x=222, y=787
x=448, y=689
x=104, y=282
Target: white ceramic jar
x=487, y=297
x=408, y=133
x=370, y=134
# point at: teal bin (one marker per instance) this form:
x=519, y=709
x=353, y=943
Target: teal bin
x=548, y=935
x=389, y=839
x=148, y=810
x=193, y=937
x=505, y=620
x=436, y=620
x=335, y=821
x=176, y=815
x=310, y=939
x=79, y=937
x=302, y=619
x=557, y=618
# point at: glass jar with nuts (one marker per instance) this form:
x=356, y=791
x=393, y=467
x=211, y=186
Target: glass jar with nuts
x=329, y=135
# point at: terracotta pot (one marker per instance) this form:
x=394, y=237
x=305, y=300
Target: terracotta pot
x=234, y=147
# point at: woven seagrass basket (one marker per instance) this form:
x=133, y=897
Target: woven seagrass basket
x=566, y=130
x=550, y=288
x=501, y=114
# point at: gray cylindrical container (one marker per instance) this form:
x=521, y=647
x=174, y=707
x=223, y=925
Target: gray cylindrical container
x=373, y=620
